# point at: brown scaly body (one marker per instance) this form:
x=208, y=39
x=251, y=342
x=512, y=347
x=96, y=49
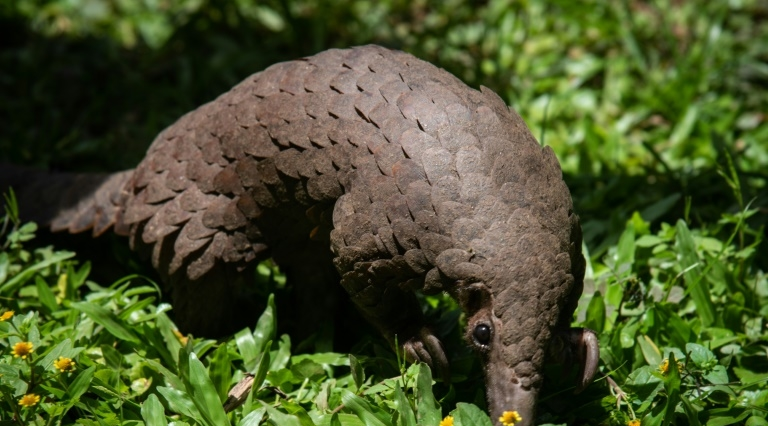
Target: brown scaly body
x=396, y=171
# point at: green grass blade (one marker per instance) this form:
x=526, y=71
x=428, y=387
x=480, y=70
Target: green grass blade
x=108, y=320
x=696, y=286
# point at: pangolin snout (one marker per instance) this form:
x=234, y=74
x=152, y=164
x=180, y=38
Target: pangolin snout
x=511, y=404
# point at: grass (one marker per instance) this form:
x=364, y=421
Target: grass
x=655, y=109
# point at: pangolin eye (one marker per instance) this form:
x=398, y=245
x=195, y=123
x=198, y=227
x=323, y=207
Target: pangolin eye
x=482, y=334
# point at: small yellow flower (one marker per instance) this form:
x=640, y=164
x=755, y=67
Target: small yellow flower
x=64, y=364
x=633, y=422
x=22, y=349
x=447, y=421
x=6, y=316
x=508, y=418
x=182, y=338
x=29, y=400
x=664, y=367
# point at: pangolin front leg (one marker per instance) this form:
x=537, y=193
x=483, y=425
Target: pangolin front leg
x=397, y=315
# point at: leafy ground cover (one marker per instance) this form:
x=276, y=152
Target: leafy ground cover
x=657, y=111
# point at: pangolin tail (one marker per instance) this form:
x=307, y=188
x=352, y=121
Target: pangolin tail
x=73, y=202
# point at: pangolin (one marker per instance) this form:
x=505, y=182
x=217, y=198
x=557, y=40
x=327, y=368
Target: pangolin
x=392, y=169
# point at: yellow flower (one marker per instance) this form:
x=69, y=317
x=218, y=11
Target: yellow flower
x=447, y=421
x=664, y=367
x=64, y=364
x=633, y=422
x=6, y=316
x=508, y=418
x=22, y=349
x=29, y=400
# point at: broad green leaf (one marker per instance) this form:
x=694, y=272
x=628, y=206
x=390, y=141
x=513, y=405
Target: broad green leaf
x=325, y=358
x=335, y=420
x=685, y=126
x=112, y=357
x=749, y=377
x=253, y=418
x=672, y=386
x=108, y=320
x=246, y=345
x=756, y=421
x=426, y=406
x=266, y=327
x=407, y=418
x=362, y=409
x=5, y=263
x=650, y=351
x=179, y=402
x=727, y=416
x=62, y=349
x=657, y=210
x=283, y=355
x=261, y=368
x=297, y=410
x=172, y=343
x=81, y=382
x=307, y=369
x=19, y=279
x=625, y=252
x=152, y=412
x=203, y=393
x=717, y=376
x=701, y=356
x=357, y=371
x=220, y=371
x=690, y=411
x=627, y=334
x=278, y=418
x=596, y=313
x=470, y=415
x=169, y=376
x=76, y=277
x=278, y=377
x=45, y=295
x=644, y=384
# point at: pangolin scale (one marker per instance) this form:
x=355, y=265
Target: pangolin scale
x=394, y=170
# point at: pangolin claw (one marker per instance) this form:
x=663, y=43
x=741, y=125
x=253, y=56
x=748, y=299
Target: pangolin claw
x=426, y=347
x=586, y=351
